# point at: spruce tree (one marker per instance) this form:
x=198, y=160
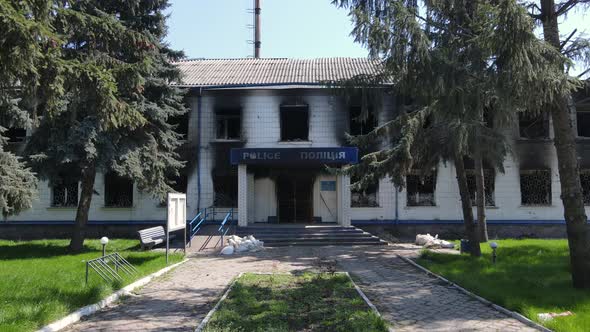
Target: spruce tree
x=454, y=60
x=118, y=101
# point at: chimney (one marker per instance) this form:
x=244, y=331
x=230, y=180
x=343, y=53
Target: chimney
x=257, y=29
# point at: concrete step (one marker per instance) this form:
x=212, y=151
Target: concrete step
x=298, y=235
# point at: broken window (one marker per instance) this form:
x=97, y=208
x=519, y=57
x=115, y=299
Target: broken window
x=359, y=126
x=488, y=179
x=118, y=191
x=535, y=187
x=181, y=123
x=65, y=194
x=294, y=123
x=420, y=189
x=16, y=135
x=585, y=180
x=533, y=127
x=228, y=124
x=365, y=198
x=583, y=122
x=225, y=189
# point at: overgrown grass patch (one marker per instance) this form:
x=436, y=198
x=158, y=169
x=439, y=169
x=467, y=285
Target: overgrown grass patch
x=41, y=282
x=531, y=276
x=284, y=302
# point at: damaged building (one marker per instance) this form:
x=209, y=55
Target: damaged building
x=264, y=135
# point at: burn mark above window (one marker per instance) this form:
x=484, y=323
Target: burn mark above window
x=228, y=124
x=294, y=123
x=533, y=127
x=535, y=187
x=583, y=123
x=118, y=191
x=420, y=189
x=358, y=125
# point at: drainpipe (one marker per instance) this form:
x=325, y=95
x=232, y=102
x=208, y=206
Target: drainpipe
x=199, y=150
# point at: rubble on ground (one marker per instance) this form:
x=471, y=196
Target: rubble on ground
x=432, y=242
x=238, y=244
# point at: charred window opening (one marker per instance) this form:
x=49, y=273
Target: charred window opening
x=358, y=126
x=16, y=135
x=583, y=123
x=533, y=127
x=228, y=124
x=367, y=197
x=420, y=189
x=488, y=179
x=225, y=188
x=585, y=180
x=64, y=193
x=294, y=123
x=118, y=191
x=181, y=124
x=179, y=185
x=535, y=187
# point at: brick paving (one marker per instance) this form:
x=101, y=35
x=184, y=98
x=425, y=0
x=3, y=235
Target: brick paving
x=408, y=298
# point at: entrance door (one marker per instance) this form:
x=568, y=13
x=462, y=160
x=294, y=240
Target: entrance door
x=295, y=198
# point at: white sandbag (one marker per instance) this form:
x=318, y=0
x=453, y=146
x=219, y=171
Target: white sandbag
x=227, y=250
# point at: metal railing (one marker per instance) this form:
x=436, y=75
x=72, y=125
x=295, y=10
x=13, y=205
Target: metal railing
x=195, y=225
x=102, y=267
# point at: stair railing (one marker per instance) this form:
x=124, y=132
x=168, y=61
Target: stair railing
x=226, y=222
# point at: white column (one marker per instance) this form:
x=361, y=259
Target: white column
x=344, y=202
x=242, y=195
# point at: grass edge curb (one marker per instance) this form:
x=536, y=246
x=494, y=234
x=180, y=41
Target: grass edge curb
x=93, y=308
x=501, y=309
x=205, y=320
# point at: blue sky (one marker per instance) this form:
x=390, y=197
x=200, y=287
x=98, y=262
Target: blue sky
x=290, y=28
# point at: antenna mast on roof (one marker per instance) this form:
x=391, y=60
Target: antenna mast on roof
x=257, y=41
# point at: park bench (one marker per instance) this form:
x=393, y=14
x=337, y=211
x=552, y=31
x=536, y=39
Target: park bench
x=151, y=237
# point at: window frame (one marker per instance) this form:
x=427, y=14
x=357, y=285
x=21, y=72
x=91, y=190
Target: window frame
x=473, y=195
x=586, y=112
x=434, y=175
x=530, y=171
x=66, y=195
x=301, y=108
x=353, y=192
x=106, y=201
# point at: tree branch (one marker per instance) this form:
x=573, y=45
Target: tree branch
x=567, y=39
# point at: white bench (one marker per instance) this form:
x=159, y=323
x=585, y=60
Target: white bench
x=151, y=237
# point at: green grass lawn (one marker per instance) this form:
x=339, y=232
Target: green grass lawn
x=282, y=302
x=530, y=277
x=40, y=282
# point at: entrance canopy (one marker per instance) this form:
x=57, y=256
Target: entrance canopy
x=294, y=156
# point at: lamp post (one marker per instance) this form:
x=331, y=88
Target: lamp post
x=494, y=246
x=104, y=240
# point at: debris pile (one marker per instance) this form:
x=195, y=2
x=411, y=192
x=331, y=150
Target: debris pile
x=547, y=316
x=432, y=242
x=239, y=244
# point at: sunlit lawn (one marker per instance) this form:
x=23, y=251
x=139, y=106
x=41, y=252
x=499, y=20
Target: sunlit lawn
x=531, y=277
x=40, y=282
x=307, y=302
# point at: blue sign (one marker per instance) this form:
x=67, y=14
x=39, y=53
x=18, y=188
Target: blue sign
x=328, y=185
x=306, y=156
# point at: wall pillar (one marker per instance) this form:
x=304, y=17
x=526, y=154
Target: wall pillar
x=344, y=200
x=242, y=195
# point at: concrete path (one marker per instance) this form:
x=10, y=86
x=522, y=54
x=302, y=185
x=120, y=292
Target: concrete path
x=408, y=298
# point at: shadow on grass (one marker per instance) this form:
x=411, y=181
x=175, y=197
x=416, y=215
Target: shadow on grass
x=27, y=250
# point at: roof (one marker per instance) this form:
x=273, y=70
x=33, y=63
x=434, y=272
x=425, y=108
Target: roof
x=249, y=72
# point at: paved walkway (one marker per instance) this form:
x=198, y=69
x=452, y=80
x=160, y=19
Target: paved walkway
x=408, y=298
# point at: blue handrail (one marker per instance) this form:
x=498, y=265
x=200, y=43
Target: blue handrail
x=222, y=230
x=194, y=226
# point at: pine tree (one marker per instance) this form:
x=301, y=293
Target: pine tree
x=453, y=60
x=118, y=101
x=576, y=48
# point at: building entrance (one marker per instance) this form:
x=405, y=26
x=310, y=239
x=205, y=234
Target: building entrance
x=295, y=198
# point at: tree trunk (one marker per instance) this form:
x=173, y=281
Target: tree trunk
x=87, y=189
x=569, y=173
x=480, y=197
x=470, y=229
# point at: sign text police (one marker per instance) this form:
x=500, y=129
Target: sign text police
x=345, y=155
